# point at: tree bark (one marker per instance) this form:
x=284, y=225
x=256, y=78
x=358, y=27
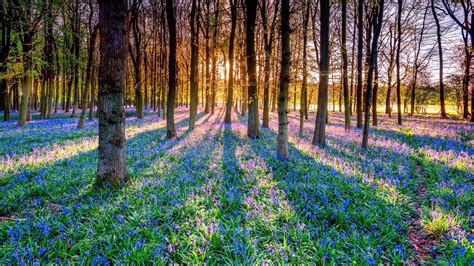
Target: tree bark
x=88, y=85
x=170, y=104
x=112, y=169
x=6, y=44
x=347, y=115
x=397, y=60
x=268, y=46
x=194, y=64
x=282, y=139
x=440, y=52
x=304, y=91
x=77, y=47
x=319, y=137
x=360, y=48
x=230, y=82
x=252, y=127
x=377, y=20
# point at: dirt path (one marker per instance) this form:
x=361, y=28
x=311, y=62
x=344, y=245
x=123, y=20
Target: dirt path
x=421, y=242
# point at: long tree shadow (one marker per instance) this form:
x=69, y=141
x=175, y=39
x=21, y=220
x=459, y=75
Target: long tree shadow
x=419, y=141
x=39, y=134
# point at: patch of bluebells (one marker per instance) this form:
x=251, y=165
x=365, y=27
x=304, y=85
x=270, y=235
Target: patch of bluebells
x=213, y=196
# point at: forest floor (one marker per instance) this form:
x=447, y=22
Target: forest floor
x=212, y=195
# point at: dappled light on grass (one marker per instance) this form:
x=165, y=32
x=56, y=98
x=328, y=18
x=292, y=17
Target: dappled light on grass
x=211, y=195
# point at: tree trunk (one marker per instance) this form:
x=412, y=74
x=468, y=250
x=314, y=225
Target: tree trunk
x=268, y=43
x=399, y=44
x=213, y=57
x=170, y=104
x=252, y=127
x=360, y=48
x=347, y=114
x=194, y=64
x=230, y=82
x=440, y=50
x=282, y=148
x=6, y=44
x=90, y=62
x=377, y=20
x=319, y=137
x=112, y=169
x=27, y=82
x=77, y=47
x=304, y=91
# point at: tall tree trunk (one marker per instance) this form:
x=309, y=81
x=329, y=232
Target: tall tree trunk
x=90, y=62
x=347, y=114
x=268, y=46
x=207, y=107
x=77, y=48
x=282, y=139
x=360, y=50
x=397, y=60
x=213, y=56
x=170, y=104
x=304, y=90
x=136, y=56
x=194, y=64
x=440, y=51
x=377, y=20
x=252, y=127
x=50, y=60
x=230, y=81
x=6, y=26
x=112, y=169
x=352, y=92
x=319, y=137
x=27, y=82
x=388, y=101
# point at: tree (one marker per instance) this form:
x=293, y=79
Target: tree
x=347, y=115
x=417, y=62
x=268, y=44
x=319, y=137
x=252, y=129
x=6, y=27
x=207, y=107
x=28, y=26
x=360, y=48
x=136, y=55
x=194, y=21
x=440, y=51
x=76, y=39
x=397, y=60
x=49, y=77
x=170, y=104
x=304, y=91
x=230, y=81
x=112, y=169
x=213, y=57
x=377, y=21
x=282, y=139
x=90, y=61
x=467, y=29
